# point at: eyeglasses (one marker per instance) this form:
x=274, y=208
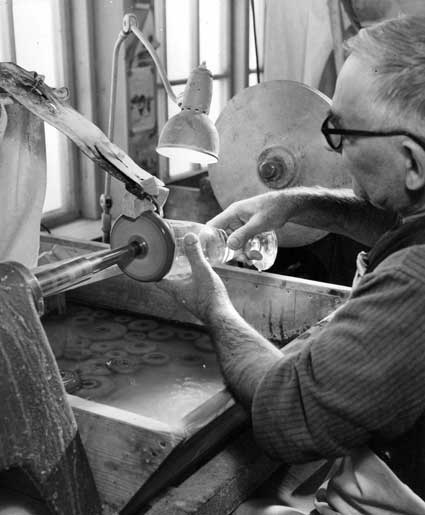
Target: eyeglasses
x=334, y=136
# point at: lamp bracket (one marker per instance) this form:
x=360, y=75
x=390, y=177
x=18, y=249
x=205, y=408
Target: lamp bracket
x=129, y=20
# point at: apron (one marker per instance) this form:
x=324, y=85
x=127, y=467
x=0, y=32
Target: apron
x=358, y=484
x=363, y=484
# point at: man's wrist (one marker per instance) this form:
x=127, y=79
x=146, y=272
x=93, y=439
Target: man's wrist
x=219, y=311
x=288, y=202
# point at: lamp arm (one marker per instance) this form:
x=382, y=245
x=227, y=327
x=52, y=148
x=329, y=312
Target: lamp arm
x=114, y=74
x=105, y=201
x=129, y=24
x=158, y=64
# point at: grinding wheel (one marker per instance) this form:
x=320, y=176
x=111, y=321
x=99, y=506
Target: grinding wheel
x=270, y=138
x=150, y=229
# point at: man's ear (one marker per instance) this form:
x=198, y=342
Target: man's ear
x=414, y=156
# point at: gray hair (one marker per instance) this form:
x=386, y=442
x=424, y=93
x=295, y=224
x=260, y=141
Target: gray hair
x=396, y=50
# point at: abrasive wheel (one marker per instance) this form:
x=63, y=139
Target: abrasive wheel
x=270, y=139
x=159, y=245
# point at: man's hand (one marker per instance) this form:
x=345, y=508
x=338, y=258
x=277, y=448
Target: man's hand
x=244, y=355
x=246, y=218
x=203, y=293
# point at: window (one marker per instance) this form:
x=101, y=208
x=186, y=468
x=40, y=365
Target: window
x=219, y=32
x=37, y=41
x=60, y=40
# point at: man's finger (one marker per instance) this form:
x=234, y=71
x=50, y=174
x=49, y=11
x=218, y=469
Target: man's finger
x=239, y=237
x=222, y=220
x=193, y=249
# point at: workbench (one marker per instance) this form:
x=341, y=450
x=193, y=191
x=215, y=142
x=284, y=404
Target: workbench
x=209, y=463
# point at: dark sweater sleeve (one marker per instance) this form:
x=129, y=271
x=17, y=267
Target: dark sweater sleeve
x=361, y=377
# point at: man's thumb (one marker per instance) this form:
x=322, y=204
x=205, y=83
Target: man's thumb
x=192, y=248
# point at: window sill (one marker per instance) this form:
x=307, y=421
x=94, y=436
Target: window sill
x=81, y=228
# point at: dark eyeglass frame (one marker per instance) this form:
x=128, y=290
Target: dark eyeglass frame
x=328, y=132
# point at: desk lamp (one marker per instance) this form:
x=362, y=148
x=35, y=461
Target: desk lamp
x=189, y=133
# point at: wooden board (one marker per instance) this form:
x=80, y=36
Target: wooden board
x=29, y=89
x=287, y=305
x=221, y=484
x=124, y=449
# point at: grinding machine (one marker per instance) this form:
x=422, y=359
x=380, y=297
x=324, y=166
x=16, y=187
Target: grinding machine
x=270, y=139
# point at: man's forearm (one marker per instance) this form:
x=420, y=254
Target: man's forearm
x=338, y=211
x=244, y=355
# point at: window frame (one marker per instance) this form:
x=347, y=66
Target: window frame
x=89, y=178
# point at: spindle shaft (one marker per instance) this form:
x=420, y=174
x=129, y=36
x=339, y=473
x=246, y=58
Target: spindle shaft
x=56, y=279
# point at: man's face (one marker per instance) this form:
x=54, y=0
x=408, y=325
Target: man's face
x=374, y=163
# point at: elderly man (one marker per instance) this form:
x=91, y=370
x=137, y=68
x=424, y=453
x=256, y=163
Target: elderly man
x=357, y=386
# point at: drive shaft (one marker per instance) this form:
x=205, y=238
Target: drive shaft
x=60, y=277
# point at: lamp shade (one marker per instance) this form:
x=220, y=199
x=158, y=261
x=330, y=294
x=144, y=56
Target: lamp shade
x=190, y=135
